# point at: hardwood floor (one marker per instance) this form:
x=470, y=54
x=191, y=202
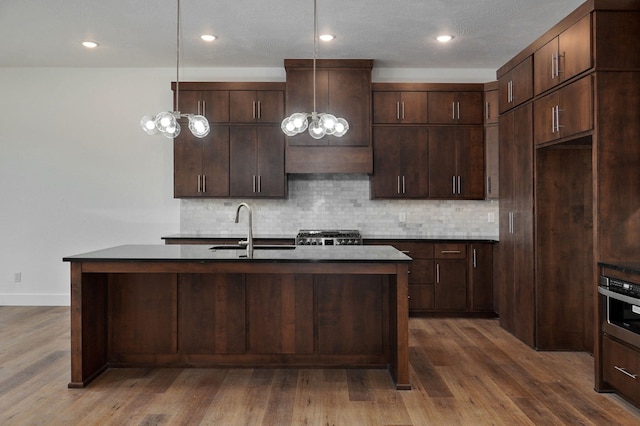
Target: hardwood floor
x=463, y=371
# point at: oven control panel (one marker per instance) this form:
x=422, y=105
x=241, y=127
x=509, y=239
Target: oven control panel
x=620, y=286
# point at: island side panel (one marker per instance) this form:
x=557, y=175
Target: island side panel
x=399, y=317
x=88, y=325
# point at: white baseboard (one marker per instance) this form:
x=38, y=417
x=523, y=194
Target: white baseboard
x=35, y=300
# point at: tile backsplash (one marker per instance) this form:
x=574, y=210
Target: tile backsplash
x=342, y=201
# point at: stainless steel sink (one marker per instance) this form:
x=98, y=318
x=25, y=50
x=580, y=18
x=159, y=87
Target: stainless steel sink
x=255, y=247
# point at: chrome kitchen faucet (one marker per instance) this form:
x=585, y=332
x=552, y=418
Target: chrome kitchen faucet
x=249, y=241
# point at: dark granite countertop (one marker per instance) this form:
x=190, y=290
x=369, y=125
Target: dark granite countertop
x=365, y=237
x=203, y=253
x=627, y=267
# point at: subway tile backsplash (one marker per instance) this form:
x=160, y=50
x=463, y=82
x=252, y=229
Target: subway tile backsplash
x=341, y=201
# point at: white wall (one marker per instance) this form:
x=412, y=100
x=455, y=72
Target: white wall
x=78, y=174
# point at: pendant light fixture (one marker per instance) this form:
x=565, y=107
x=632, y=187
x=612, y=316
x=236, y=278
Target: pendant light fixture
x=167, y=122
x=321, y=123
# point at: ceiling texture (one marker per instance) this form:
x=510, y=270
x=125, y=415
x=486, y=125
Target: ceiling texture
x=262, y=33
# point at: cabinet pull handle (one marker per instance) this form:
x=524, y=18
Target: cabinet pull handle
x=510, y=91
x=553, y=60
x=458, y=109
x=397, y=110
x=486, y=111
x=398, y=184
x=459, y=185
x=558, y=118
x=253, y=110
x=488, y=184
x=453, y=110
x=259, y=183
x=625, y=372
x=204, y=183
x=403, y=110
x=199, y=185
x=553, y=119
x=204, y=108
x=511, y=222
x=403, y=186
x=437, y=273
x=254, y=183
x=198, y=108
x=450, y=251
x=475, y=259
x=453, y=184
x=259, y=109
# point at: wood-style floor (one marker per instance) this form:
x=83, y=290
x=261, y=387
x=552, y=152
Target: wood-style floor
x=464, y=372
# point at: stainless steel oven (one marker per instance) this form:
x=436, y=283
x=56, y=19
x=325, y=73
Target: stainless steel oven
x=622, y=303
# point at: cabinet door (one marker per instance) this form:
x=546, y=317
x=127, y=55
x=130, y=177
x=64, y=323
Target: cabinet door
x=455, y=108
x=213, y=104
x=491, y=107
x=516, y=87
x=442, y=162
x=400, y=107
x=545, y=62
x=492, y=162
x=470, y=162
x=270, y=162
x=201, y=165
x=564, y=57
x=215, y=163
x=421, y=297
x=544, y=112
x=456, y=162
x=270, y=106
x=564, y=113
x=243, y=158
x=256, y=162
x=243, y=106
x=481, y=276
x=400, y=162
x=386, y=107
x=263, y=106
x=187, y=165
x=576, y=108
x=450, y=292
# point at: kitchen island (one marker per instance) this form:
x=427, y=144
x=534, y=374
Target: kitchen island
x=191, y=306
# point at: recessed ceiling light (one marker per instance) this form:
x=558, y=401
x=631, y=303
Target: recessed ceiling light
x=444, y=38
x=327, y=37
x=90, y=44
x=208, y=37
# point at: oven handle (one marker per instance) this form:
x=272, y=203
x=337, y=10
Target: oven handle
x=618, y=296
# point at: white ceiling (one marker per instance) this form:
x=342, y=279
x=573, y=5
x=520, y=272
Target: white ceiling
x=261, y=33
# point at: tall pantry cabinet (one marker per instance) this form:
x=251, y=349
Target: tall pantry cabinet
x=569, y=180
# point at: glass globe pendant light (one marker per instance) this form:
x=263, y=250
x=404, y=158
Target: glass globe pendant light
x=167, y=122
x=321, y=124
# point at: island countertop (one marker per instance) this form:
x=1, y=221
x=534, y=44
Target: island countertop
x=204, y=253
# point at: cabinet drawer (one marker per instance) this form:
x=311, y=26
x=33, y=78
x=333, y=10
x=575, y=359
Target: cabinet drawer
x=413, y=249
x=450, y=251
x=420, y=297
x=621, y=368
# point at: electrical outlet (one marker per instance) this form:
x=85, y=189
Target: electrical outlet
x=17, y=277
x=491, y=217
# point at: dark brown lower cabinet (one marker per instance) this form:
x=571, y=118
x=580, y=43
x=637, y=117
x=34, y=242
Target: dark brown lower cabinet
x=621, y=368
x=448, y=277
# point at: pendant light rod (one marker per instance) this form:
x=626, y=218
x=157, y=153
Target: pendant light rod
x=319, y=124
x=315, y=50
x=178, y=59
x=167, y=122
